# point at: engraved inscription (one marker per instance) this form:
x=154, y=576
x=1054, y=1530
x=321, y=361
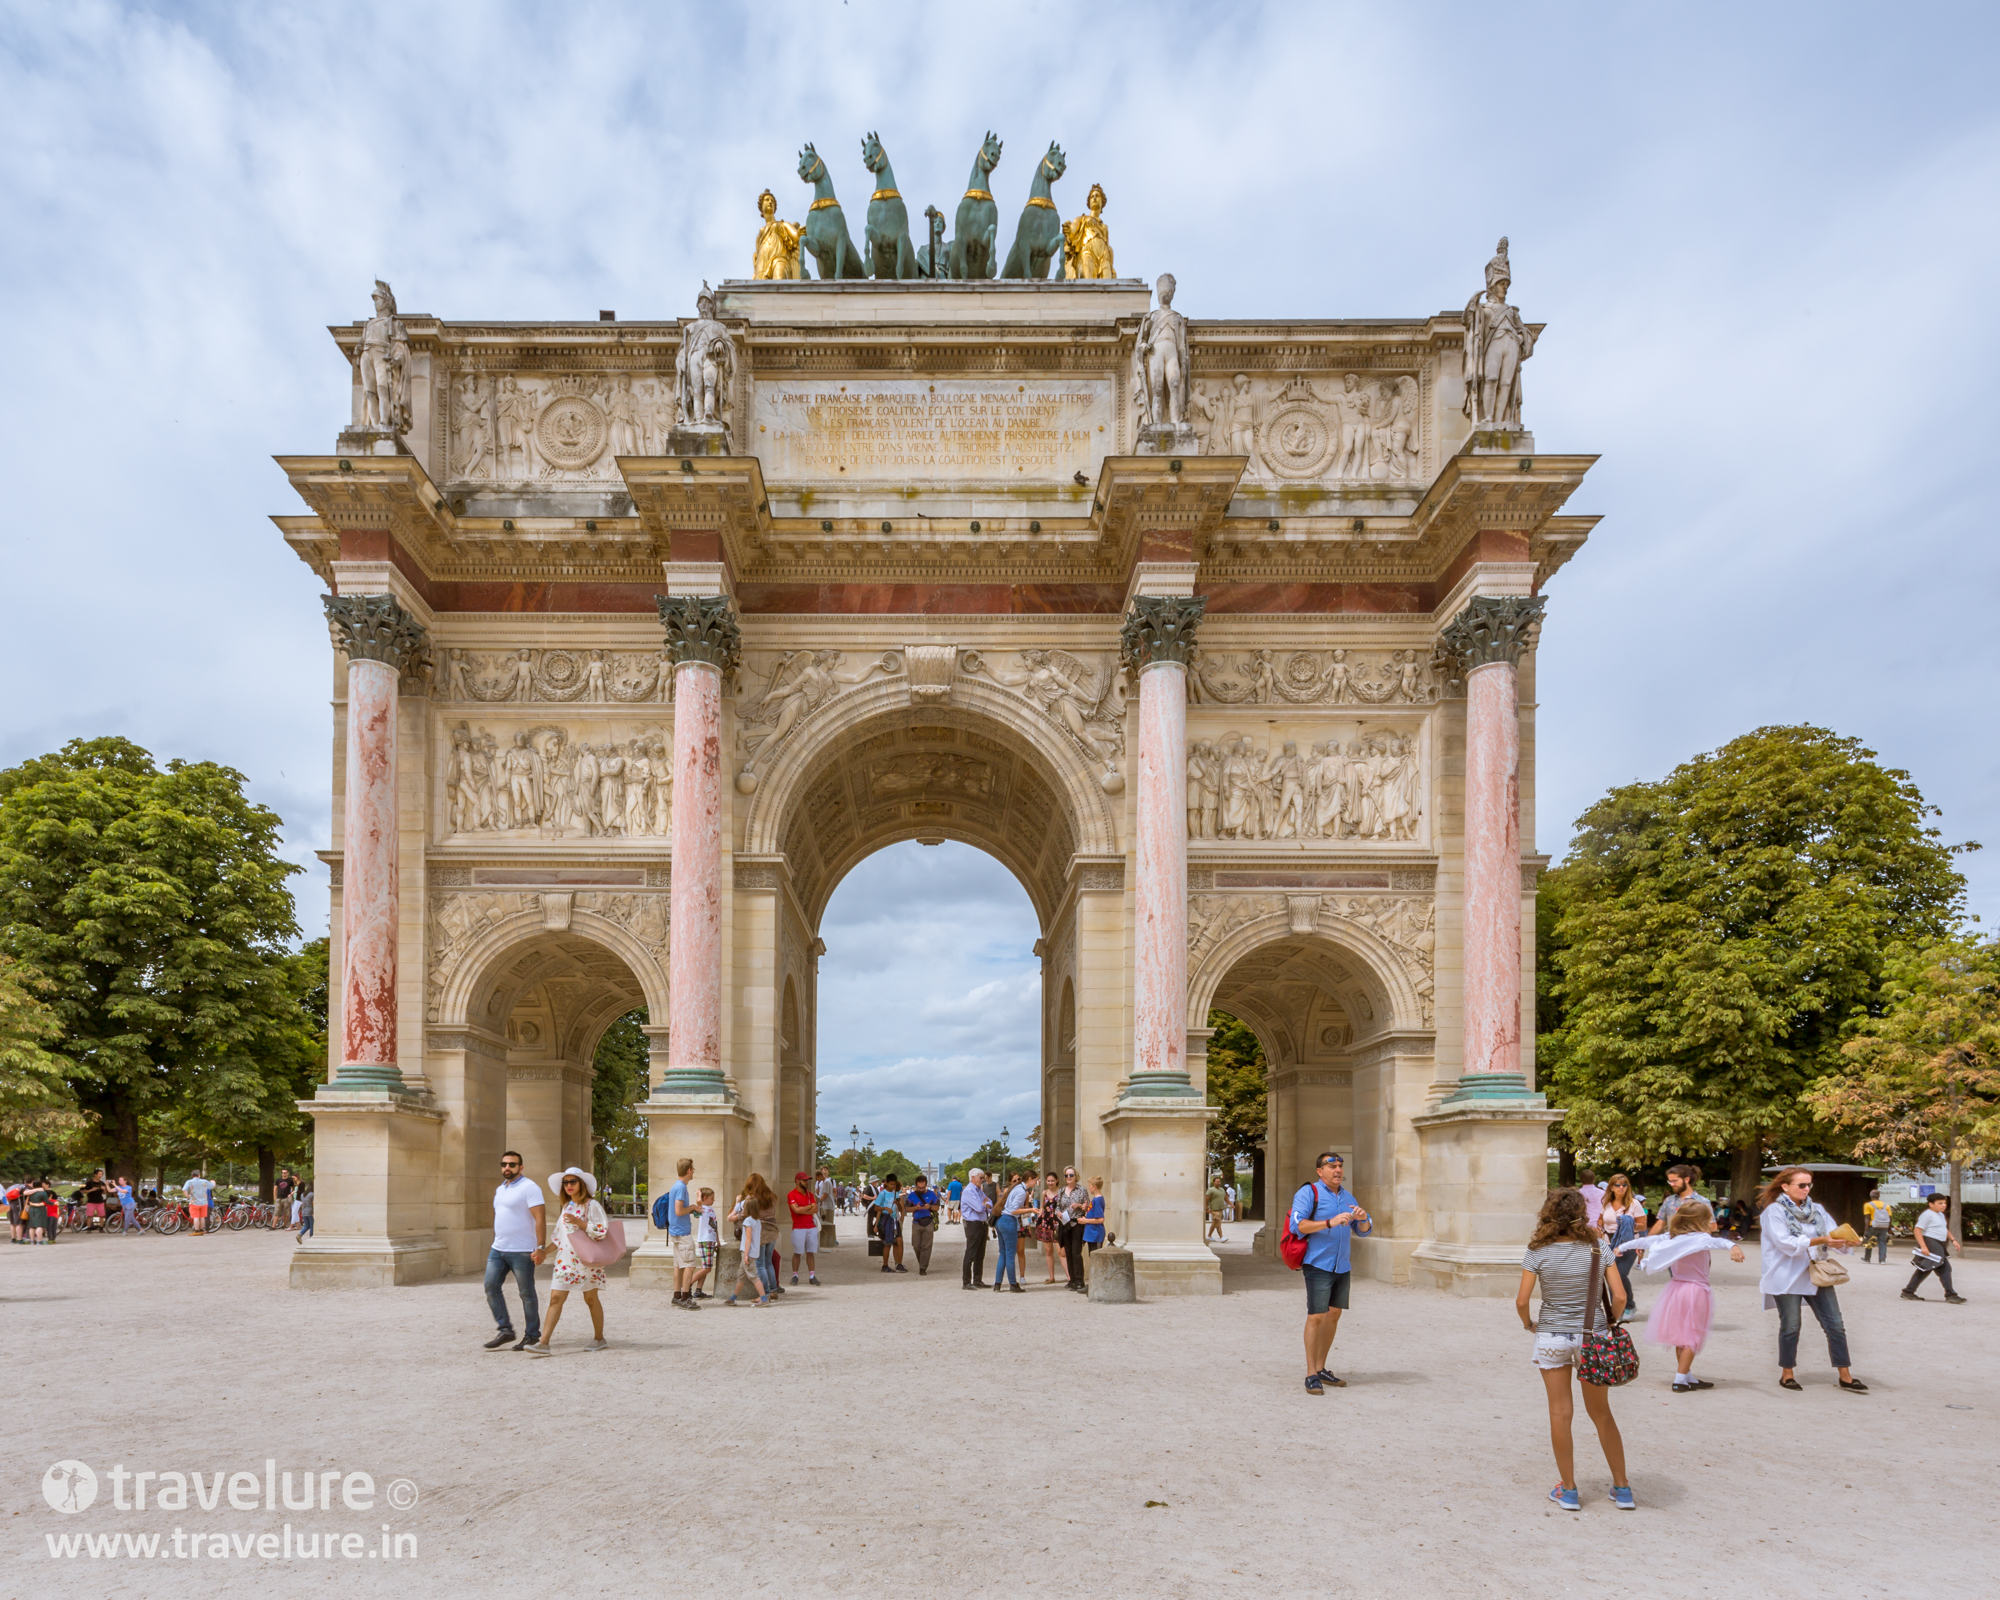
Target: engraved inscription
x=946, y=428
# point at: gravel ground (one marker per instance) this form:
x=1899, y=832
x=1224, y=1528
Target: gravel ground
x=896, y=1435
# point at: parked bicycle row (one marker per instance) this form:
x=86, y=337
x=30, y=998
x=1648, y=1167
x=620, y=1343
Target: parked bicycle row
x=38, y=1213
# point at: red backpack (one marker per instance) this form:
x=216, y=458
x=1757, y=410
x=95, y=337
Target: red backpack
x=1290, y=1245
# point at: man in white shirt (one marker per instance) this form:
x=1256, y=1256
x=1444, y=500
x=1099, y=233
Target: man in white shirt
x=520, y=1234
x=1934, y=1240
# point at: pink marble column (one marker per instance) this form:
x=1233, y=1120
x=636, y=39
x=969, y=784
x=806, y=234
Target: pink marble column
x=1158, y=635
x=694, y=1043
x=379, y=638
x=1492, y=870
x=1488, y=638
x=703, y=639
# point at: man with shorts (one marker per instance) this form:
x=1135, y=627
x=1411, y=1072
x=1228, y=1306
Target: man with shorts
x=804, y=1206
x=681, y=1207
x=1213, y=1202
x=1326, y=1216
x=199, y=1192
x=281, y=1197
x=952, y=1191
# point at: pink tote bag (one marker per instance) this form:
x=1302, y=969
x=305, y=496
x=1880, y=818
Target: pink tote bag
x=599, y=1252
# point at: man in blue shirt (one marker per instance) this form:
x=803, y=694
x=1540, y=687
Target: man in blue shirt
x=1326, y=1216
x=952, y=1191
x=975, y=1207
x=921, y=1203
x=681, y=1209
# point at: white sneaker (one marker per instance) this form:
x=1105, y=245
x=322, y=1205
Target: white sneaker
x=540, y=1350
x=599, y=1344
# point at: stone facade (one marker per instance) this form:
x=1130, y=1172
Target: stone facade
x=922, y=568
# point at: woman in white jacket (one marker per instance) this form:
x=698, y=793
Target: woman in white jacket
x=1795, y=1229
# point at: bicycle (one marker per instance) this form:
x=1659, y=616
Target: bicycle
x=170, y=1219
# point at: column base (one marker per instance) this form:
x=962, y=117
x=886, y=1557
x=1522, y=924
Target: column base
x=712, y=1131
x=375, y=1168
x=1485, y=1176
x=1385, y=1258
x=355, y=1263
x=1159, y=1164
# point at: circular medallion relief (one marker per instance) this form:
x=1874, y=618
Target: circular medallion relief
x=561, y=673
x=1295, y=441
x=571, y=431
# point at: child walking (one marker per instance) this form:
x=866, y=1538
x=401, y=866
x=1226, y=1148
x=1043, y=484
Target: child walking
x=707, y=1243
x=1682, y=1316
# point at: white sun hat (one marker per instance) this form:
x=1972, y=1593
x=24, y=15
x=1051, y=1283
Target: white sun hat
x=556, y=1181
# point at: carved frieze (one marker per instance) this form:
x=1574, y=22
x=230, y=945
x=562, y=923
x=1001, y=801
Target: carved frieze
x=1082, y=695
x=795, y=685
x=1354, y=428
x=542, y=429
x=1313, y=677
x=546, y=782
x=1406, y=923
x=588, y=677
x=644, y=916
x=457, y=919
x=1367, y=785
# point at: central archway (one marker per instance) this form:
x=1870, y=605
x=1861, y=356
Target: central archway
x=991, y=769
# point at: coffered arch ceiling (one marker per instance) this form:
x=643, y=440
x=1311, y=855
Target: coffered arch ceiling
x=1304, y=1000
x=564, y=987
x=917, y=774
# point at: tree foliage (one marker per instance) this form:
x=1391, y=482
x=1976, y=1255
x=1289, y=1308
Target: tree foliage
x=623, y=1079
x=154, y=902
x=1713, y=937
x=34, y=1098
x=1237, y=1089
x=1922, y=1089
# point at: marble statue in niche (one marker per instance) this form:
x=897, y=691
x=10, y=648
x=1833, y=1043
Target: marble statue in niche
x=704, y=367
x=1497, y=341
x=384, y=365
x=1160, y=373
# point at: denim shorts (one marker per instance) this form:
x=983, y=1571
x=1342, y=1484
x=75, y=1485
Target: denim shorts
x=1325, y=1290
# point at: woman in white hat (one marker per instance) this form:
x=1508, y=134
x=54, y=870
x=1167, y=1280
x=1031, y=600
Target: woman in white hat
x=577, y=1190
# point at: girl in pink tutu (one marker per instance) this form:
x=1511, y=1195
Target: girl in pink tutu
x=1680, y=1316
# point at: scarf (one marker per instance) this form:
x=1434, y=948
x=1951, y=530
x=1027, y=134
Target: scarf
x=1802, y=1219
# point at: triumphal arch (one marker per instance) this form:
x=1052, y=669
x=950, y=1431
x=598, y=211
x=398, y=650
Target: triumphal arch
x=1219, y=633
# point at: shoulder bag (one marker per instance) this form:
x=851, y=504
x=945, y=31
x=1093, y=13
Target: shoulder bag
x=599, y=1252
x=1824, y=1271
x=1606, y=1357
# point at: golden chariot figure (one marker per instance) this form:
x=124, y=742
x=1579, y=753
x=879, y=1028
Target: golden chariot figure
x=777, y=254
x=1087, y=242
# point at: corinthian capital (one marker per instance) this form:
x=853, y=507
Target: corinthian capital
x=701, y=627
x=1491, y=628
x=1160, y=627
x=372, y=627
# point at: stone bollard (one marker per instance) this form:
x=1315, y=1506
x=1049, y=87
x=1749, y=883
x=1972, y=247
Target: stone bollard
x=1110, y=1272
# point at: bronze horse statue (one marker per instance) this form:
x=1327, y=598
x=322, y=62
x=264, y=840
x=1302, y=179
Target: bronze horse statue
x=886, y=239
x=1038, y=238
x=974, y=251
x=826, y=238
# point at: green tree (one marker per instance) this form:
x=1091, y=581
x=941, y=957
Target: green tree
x=618, y=1132
x=822, y=1152
x=1237, y=1089
x=154, y=902
x=895, y=1161
x=243, y=1105
x=992, y=1156
x=1922, y=1089
x=35, y=1105
x=1719, y=933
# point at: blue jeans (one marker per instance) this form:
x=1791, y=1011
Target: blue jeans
x=1826, y=1307
x=766, y=1269
x=521, y=1263
x=305, y=1228
x=1004, y=1269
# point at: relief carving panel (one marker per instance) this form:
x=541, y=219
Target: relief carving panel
x=545, y=782
x=1282, y=782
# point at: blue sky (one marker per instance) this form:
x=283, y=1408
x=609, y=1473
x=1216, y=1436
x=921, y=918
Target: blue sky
x=1762, y=239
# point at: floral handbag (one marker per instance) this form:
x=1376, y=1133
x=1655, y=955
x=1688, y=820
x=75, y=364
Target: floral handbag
x=1606, y=1357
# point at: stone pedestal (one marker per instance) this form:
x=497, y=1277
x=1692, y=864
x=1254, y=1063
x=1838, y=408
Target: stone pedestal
x=1486, y=1153
x=375, y=1165
x=1169, y=439
x=369, y=441
x=711, y=1131
x=1159, y=1158
x=699, y=439
x=1108, y=1271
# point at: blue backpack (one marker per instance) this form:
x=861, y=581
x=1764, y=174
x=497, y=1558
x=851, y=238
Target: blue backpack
x=663, y=1212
